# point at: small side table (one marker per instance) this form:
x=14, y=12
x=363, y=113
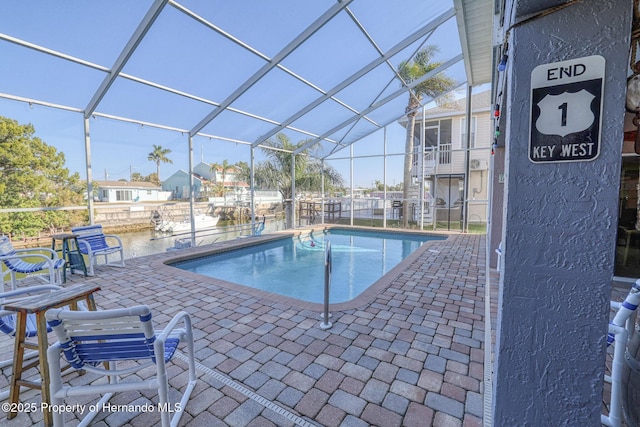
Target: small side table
x=38, y=305
x=70, y=253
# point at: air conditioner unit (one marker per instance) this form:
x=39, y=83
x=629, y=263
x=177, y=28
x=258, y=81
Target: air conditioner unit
x=477, y=164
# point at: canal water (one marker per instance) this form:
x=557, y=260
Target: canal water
x=149, y=242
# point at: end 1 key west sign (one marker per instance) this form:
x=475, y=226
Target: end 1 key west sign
x=566, y=110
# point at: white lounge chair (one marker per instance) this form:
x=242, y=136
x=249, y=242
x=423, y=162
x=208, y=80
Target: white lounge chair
x=33, y=261
x=92, y=338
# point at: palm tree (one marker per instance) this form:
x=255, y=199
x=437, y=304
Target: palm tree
x=243, y=171
x=158, y=155
x=410, y=71
x=275, y=172
x=224, y=168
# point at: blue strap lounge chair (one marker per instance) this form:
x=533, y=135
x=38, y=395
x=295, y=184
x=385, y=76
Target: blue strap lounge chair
x=91, y=339
x=93, y=242
x=42, y=262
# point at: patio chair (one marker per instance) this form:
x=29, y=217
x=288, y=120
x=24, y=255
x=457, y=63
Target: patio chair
x=30, y=262
x=93, y=242
x=94, y=338
x=259, y=227
x=8, y=320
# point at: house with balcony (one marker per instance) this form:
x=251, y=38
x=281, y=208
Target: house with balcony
x=204, y=179
x=234, y=189
x=442, y=164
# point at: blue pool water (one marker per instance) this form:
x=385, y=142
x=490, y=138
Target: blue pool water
x=295, y=267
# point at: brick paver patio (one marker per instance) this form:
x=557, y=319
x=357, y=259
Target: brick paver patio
x=408, y=353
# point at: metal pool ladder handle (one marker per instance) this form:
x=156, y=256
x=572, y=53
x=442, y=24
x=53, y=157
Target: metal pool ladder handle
x=621, y=328
x=326, y=324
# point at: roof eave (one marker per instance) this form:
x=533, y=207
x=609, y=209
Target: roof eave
x=475, y=28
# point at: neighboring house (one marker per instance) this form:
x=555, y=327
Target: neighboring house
x=231, y=183
x=178, y=185
x=125, y=191
x=203, y=169
x=203, y=177
x=444, y=157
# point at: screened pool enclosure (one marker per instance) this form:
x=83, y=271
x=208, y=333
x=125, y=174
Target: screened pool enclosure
x=103, y=82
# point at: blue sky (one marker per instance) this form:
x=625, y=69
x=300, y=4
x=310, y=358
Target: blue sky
x=182, y=54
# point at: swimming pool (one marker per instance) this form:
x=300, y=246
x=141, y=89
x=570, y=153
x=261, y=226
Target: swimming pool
x=295, y=267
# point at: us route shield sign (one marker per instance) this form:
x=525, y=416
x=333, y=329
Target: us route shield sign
x=566, y=110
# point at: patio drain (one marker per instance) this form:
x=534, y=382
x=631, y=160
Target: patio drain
x=250, y=394
x=488, y=346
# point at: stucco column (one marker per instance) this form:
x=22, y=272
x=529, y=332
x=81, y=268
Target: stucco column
x=559, y=228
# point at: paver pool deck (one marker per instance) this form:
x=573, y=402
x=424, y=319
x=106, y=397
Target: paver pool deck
x=409, y=353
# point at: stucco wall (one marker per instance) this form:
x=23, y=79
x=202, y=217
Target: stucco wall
x=559, y=231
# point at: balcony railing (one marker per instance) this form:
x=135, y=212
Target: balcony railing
x=445, y=154
x=432, y=158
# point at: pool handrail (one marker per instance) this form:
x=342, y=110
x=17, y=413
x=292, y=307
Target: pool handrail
x=199, y=233
x=326, y=324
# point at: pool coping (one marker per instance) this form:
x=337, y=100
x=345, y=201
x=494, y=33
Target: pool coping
x=364, y=298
